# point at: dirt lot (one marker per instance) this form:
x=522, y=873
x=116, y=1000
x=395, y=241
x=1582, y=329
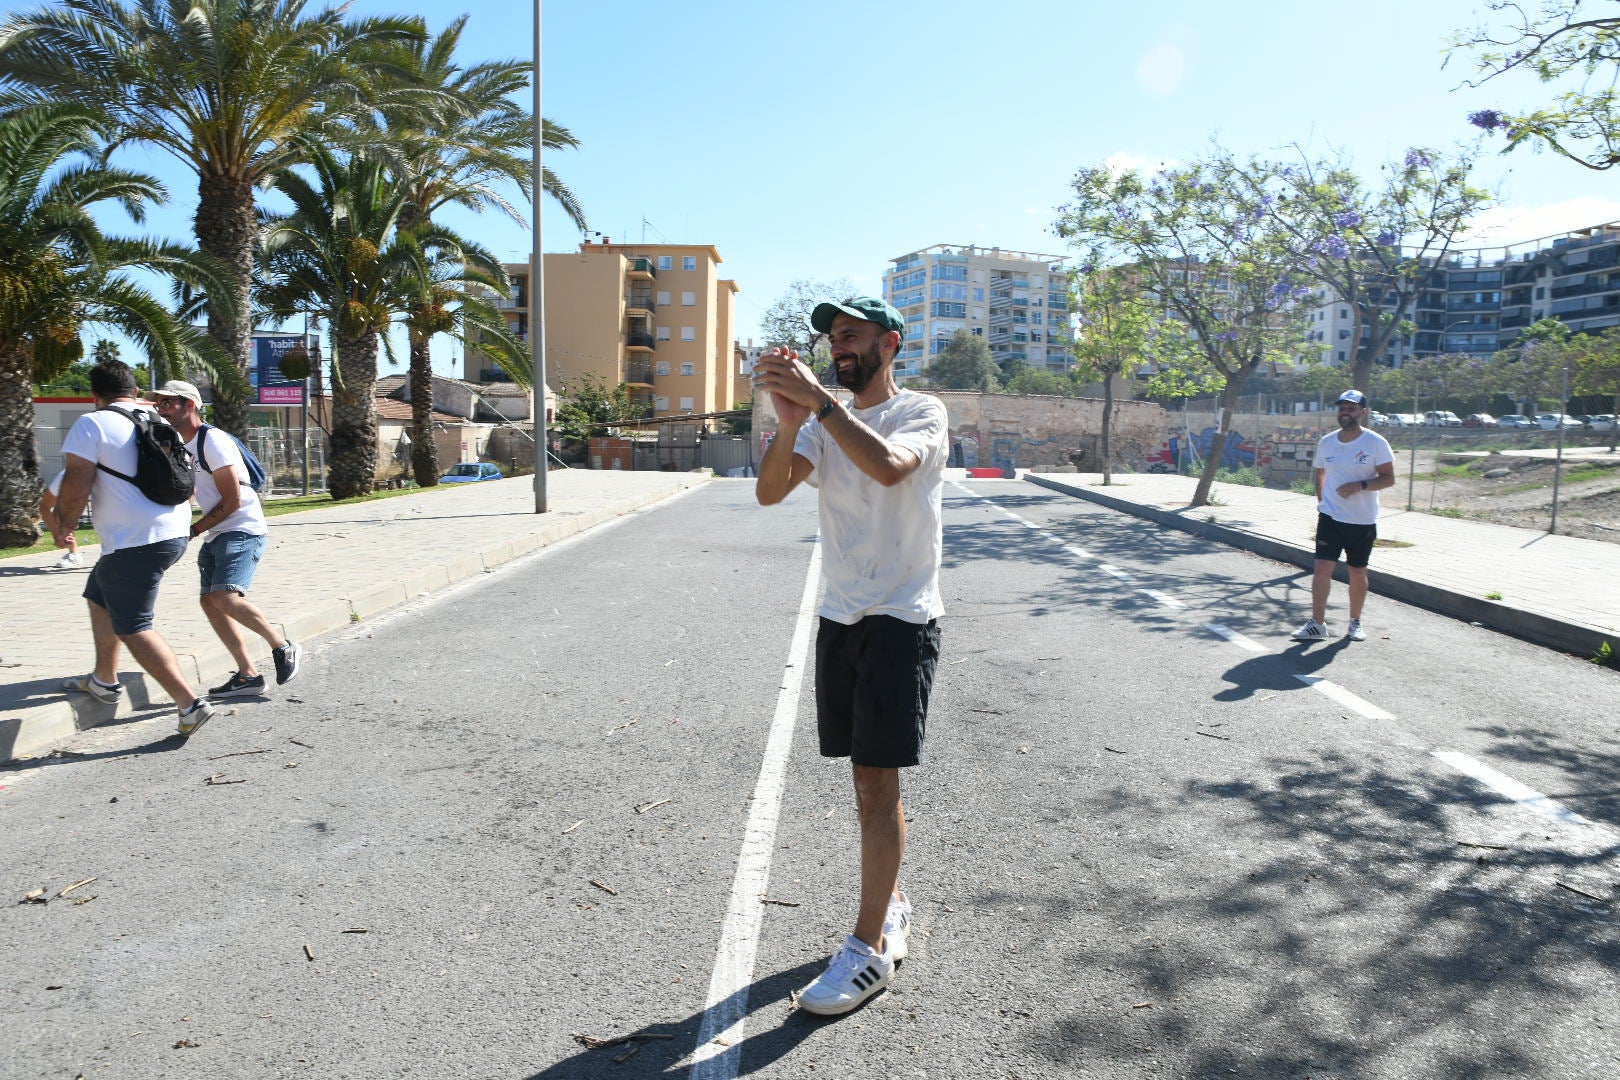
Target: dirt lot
x=1512, y=490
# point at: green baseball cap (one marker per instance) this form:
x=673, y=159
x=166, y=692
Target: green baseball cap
x=869, y=308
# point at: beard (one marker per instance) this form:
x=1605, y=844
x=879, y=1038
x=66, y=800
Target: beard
x=859, y=374
x=1348, y=420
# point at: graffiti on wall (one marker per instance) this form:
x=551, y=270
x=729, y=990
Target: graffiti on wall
x=1239, y=452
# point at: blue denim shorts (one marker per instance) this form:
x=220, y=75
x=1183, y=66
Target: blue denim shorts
x=229, y=561
x=125, y=583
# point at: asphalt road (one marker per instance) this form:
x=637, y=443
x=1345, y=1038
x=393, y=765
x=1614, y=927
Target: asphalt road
x=1152, y=836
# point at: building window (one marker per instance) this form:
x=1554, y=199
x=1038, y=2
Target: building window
x=688, y=299
x=688, y=367
x=661, y=368
x=686, y=404
x=665, y=262
x=661, y=403
x=688, y=262
x=663, y=333
x=688, y=333
x=663, y=299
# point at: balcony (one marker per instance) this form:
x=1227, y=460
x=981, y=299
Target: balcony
x=641, y=270
x=638, y=372
x=640, y=339
x=1585, y=288
x=640, y=301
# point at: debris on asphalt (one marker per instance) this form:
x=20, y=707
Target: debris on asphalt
x=35, y=897
x=215, y=781
x=185, y=1044
x=592, y=1042
x=305, y=745
x=574, y=826
x=779, y=903
x=1212, y=735
x=610, y=890
x=75, y=885
x=240, y=753
x=1487, y=847
x=1581, y=892
x=628, y=723
x=290, y=765
x=646, y=806
x=309, y=953
x=1111, y=750
x=356, y=930
x=1143, y=1005
x=828, y=814
x=992, y=712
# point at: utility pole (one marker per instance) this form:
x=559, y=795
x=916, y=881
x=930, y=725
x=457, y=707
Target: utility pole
x=537, y=295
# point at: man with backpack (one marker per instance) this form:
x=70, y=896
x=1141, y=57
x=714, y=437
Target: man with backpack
x=233, y=530
x=136, y=469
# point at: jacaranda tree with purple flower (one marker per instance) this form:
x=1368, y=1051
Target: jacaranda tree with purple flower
x=1206, y=261
x=1369, y=246
x=1569, y=42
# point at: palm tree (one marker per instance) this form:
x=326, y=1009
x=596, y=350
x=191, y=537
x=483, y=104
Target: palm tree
x=342, y=256
x=470, y=145
x=226, y=86
x=59, y=274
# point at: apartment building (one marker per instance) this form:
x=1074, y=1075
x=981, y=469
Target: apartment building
x=1018, y=301
x=657, y=317
x=1478, y=301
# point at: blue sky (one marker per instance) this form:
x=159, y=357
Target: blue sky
x=821, y=140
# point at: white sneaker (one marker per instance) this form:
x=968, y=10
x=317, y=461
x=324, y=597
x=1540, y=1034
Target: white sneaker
x=897, y=925
x=68, y=561
x=855, y=974
x=1311, y=631
x=1356, y=633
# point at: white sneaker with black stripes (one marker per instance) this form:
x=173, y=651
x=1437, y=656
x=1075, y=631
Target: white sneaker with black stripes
x=857, y=971
x=897, y=925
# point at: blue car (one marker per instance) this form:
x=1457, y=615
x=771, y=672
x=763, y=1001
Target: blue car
x=471, y=472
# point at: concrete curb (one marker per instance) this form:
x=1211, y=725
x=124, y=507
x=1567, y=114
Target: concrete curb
x=54, y=722
x=1563, y=635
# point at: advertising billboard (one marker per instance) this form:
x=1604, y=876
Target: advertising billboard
x=270, y=387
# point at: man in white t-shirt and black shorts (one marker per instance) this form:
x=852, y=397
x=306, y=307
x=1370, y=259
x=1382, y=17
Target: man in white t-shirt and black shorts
x=140, y=539
x=233, y=531
x=878, y=467
x=1352, y=466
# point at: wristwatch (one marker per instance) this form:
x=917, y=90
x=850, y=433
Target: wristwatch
x=832, y=403
x=1364, y=485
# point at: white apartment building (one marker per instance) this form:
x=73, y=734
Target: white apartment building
x=1018, y=301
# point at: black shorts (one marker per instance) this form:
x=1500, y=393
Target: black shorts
x=125, y=582
x=872, y=683
x=1334, y=536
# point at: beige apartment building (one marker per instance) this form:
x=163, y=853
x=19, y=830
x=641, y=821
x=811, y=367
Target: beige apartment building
x=656, y=317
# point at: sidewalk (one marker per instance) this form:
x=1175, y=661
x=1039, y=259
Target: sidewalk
x=1555, y=591
x=322, y=571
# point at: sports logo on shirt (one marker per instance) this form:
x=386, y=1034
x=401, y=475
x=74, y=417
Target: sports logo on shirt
x=1362, y=457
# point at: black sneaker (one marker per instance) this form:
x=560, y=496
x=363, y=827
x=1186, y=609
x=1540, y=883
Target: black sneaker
x=286, y=659
x=238, y=685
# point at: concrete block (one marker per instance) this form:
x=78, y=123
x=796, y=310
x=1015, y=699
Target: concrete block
x=377, y=598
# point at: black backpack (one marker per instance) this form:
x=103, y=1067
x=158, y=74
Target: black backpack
x=163, y=465
x=255, y=478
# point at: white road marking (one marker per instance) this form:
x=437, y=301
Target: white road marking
x=717, y=1056
x=1164, y=598
x=1081, y=553
x=1526, y=797
x=1335, y=692
x=1236, y=638
x=1115, y=571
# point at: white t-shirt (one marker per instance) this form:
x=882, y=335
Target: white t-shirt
x=124, y=518
x=1344, y=463
x=883, y=544
x=249, y=516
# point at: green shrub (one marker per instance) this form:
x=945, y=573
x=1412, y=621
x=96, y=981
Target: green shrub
x=1305, y=485
x=1244, y=477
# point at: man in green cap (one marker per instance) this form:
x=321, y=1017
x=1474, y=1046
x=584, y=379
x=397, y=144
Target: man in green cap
x=878, y=468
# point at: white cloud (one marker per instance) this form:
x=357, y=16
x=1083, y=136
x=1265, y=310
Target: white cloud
x=1161, y=69
x=1500, y=226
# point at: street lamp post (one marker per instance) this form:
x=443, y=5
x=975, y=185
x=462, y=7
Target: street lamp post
x=1558, y=462
x=537, y=308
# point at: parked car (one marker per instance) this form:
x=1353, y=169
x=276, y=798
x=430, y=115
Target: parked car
x=1377, y=419
x=1600, y=422
x=1441, y=418
x=1515, y=421
x=1402, y=419
x=1552, y=421
x=1479, y=420
x=470, y=472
